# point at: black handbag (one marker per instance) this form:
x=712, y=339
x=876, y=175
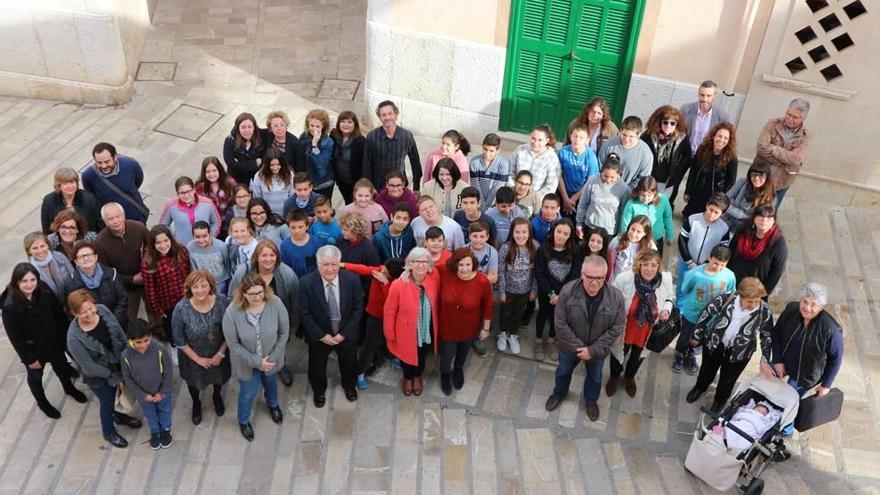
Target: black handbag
x=664, y=332
x=815, y=411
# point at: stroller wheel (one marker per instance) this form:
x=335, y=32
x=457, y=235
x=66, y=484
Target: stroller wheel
x=755, y=487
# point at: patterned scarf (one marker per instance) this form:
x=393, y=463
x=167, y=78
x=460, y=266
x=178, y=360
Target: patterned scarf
x=646, y=310
x=424, y=325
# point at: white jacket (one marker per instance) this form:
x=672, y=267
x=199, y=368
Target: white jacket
x=625, y=283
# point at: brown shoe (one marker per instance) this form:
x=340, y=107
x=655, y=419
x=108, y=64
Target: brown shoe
x=611, y=386
x=552, y=403
x=539, y=350
x=552, y=352
x=407, y=387
x=629, y=384
x=418, y=386
x=593, y=412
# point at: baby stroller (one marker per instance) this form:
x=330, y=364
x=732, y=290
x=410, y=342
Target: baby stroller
x=712, y=460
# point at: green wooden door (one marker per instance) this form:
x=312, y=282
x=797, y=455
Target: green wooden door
x=562, y=53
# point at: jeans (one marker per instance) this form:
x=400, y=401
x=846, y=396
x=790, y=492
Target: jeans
x=683, y=344
x=780, y=193
x=106, y=395
x=456, y=352
x=592, y=383
x=157, y=415
x=789, y=428
x=248, y=391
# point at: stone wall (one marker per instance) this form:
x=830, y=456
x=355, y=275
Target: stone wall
x=70, y=51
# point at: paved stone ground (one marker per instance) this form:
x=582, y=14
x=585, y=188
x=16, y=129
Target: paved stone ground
x=493, y=436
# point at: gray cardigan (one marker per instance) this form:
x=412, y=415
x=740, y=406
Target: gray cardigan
x=241, y=336
x=99, y=367
x=286, y=288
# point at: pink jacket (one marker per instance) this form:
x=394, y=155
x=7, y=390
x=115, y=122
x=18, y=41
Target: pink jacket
x=437, y=155
x=402, y=316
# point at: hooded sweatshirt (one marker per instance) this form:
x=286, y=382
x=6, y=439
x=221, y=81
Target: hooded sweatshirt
x=390, y=246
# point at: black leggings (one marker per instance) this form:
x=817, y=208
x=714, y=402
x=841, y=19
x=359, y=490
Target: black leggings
x=410, y=371
x=63, y=371
x=730, y=372
x=545, y=314
x=194, y=392
x=633, y=356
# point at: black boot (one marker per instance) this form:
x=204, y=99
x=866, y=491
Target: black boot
x=72, y=391
x=446, y=383
x=48, y=409
x=197, y=412
x=219, y=408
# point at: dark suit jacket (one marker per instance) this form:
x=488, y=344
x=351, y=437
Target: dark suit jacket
x=314, y=318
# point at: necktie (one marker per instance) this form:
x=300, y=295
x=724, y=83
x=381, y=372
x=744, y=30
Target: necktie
x=333, y=308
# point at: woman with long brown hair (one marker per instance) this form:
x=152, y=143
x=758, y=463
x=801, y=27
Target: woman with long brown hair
x=243, y=148
x=713, y=169
x=274, y=180
x=666, y=137
x=348, y=153
x=164, y=269
x=215, y=184
x=748, y=193
x=596, y=116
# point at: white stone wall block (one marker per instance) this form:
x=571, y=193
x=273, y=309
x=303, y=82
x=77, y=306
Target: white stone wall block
x=683, y=93
x=477, y=77
x=21, y=45
x=373, y=98
x=59, y=44
x=421, y=118
x=99, y=38
x=422, y=67
x=54, y=89
x=646, y=94
x=379, y=66
x=473, y=125
x=379, y=11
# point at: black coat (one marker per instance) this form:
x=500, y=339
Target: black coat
x=768, y=267
x=37, y=329
x=362, y=253
x=110, y=293
x=679, y=164
x=704, y=181
x=242, y=163
x=84, y=203
x=293, y=152
x=356, y=169
x=314, y=317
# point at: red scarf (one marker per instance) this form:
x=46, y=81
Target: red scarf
x=750, y=247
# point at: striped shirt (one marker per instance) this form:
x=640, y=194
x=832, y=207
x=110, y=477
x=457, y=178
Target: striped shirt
x=383, y=154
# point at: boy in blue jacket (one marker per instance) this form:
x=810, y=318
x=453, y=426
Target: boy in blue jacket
x=395, y=239
x=549, y=213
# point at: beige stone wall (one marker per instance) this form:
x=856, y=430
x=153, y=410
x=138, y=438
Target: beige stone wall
x=72, y=50
x=480, y=21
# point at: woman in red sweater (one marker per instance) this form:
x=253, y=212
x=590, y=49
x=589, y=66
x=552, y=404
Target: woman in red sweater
x=374, y=338
x=466, y=314
x=164, y=269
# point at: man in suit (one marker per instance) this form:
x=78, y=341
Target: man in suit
x=331, y=303
x=702, y=115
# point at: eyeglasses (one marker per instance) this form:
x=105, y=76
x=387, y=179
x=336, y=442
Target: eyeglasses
x=420, y=262
x=255, y=294
x=184, y=193
x=68, y=227
x=524, y=184
x=281, y=125
x=393, y=186
x=86, y=256
x=671, y=123
x=593, y=279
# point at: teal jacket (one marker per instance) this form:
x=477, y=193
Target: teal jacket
x=660, y=215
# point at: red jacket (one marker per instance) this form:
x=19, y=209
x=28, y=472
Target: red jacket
x=402, y=315
x=464, y=304
x=378, y=290
x=163, y=288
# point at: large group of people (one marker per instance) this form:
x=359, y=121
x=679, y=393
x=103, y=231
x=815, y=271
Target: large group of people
x=252, y=254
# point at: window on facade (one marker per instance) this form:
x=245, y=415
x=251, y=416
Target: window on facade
x=818, y=54
x=855, y=9
x=831, y=72
x=829, y=22
x=795, y=65
x=816, y=5
x=805, y=35
x=842, y=42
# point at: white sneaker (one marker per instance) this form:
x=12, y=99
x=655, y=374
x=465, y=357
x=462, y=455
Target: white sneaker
x=514, y=344
x=502, y=341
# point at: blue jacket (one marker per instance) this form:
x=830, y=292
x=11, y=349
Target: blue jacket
x=318, y=160
x=290, y=204
x=128, y=179
x=540, y=226
x=393, y=247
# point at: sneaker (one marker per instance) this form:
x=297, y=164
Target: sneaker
x=395, y=363
x=692, y=368
x=678, y=364
x=502, y=341
x=480, y=348
x=514, y=344
x=155, y=443
x=165, y=439
x=697, y=351
x=361, y=382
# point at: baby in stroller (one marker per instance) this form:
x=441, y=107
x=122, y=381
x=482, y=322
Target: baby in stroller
x=753, y=419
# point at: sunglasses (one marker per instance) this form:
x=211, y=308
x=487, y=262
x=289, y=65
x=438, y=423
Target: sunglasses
x=671, y=123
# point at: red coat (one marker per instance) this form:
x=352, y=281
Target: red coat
x=402, y=316
x=464, y=305
x=378, y=290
